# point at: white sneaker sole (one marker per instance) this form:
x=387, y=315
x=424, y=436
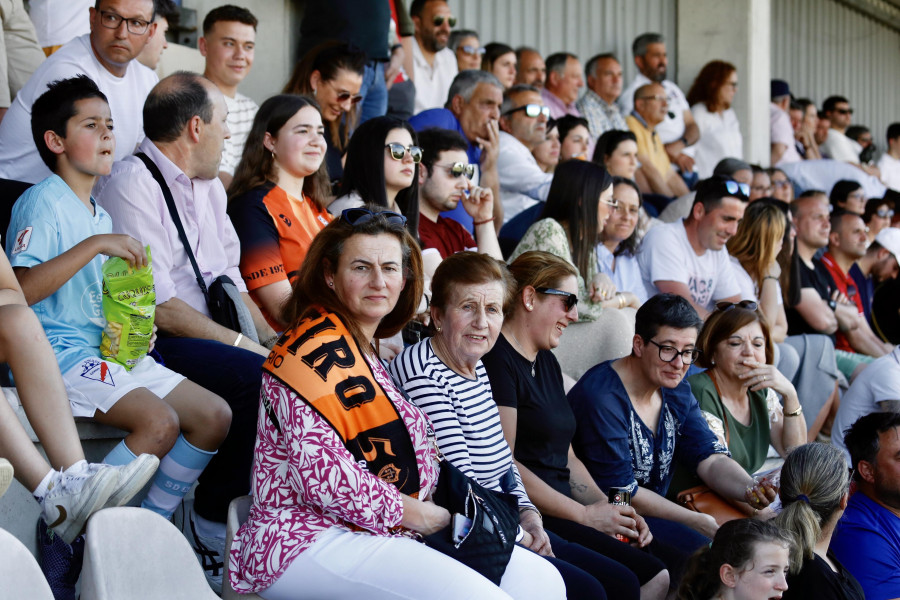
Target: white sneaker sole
x=132, y=479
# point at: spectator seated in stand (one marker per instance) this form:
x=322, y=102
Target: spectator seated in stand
x=619, y=241
x=564, y=81
x=574, y=138
x=530, y=67
x=710, y=97
x=277, y=198
x=547, y=152
x=500, y=61
x=636, y=418
x=468, y=48
x=577, y=208
x=814, y=492
x=740, y=389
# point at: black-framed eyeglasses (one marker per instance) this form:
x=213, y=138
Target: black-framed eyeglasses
x=726, y=306
x=457, y=169
x=669, y=353
x=472, y=50
x=360, y=216
x=884, y=213
x=569, y=301
x=531, y=110
x=112, y=20
x=439, y=20
x=734, y=187
x=398, y=151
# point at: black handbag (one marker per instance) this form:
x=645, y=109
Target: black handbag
x=219, y=300
x=489, y=543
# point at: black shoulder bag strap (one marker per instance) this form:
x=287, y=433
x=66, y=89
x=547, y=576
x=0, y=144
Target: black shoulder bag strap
x=173, y=212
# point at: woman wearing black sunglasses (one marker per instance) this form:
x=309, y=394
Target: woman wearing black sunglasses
x=538, y=425
x=737, y=392
x=382, y=168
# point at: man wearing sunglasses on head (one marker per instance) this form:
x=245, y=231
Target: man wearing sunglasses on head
x=434, y=64
x=688, y=257
x=523, y=185
x=445, y=181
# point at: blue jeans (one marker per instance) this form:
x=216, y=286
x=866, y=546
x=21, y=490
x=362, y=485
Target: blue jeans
x=374, y=92
x=676, y=543
x=235, y=375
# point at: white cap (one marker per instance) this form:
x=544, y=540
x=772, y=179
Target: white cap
x=889, y=238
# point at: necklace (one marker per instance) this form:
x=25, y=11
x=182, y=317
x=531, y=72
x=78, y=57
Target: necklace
x=516, y=340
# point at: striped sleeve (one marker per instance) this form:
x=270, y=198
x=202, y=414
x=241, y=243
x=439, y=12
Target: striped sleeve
x=464, y=416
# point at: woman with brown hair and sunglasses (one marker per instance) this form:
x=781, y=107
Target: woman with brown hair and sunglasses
x=737, y=392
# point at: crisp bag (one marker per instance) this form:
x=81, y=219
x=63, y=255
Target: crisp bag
x=129, y=305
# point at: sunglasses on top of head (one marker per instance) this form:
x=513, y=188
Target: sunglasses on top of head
x=398, y=151
x=360, y=216
x=726, y=306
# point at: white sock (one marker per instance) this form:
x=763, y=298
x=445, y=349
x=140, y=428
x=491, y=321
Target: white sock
x=41, y=490
x=79, y=469
x=207, y=528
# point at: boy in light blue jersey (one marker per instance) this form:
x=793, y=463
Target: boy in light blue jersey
x=57, y=241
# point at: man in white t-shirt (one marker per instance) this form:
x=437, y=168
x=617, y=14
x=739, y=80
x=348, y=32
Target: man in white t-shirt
x=889, y=163
x=837, y=145
x=228, y=43
x=434, y=64
x=678, y=131
x=688, y=257
x=119, y=31
x=877, y=388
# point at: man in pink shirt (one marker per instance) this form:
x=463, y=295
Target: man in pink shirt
x=184, y=121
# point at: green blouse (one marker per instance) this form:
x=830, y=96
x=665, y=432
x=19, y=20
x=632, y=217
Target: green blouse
x=748, y=444
x=548, y=235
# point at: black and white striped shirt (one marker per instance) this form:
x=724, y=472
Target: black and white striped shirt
x=464, y=415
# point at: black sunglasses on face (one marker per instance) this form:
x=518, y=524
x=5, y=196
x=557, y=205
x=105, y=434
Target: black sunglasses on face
x=726, y=306
x=570, y=299
x=531, y=110
x=457, y=169
x=439, y=20
x=360, y=216
x=668, y=353
x=398, y=151
x=844, y=111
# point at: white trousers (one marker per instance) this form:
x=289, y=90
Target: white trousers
x=346, y=565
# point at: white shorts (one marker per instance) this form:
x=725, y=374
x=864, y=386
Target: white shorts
x=96, y=384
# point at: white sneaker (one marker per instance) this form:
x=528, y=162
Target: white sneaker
x=73, y=497
x=130, y=478
x=6, y=475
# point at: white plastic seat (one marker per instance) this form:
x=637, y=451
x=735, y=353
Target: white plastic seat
x=238, y=511
x=135, y=554
x=19, y=572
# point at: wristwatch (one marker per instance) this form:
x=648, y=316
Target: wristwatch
x=832, y=304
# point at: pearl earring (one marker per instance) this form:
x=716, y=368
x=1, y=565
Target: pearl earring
x=438, y=329
x=529, y=306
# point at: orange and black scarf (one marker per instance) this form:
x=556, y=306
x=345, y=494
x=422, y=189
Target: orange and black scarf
x=324, y=365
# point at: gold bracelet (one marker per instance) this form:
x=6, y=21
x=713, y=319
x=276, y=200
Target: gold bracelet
x=532, y=508
x=795, y=413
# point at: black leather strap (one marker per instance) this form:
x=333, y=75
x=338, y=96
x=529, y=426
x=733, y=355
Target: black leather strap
x=173, y=212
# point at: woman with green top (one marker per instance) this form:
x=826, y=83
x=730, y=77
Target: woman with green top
x=578, y=205
x=738, y=392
